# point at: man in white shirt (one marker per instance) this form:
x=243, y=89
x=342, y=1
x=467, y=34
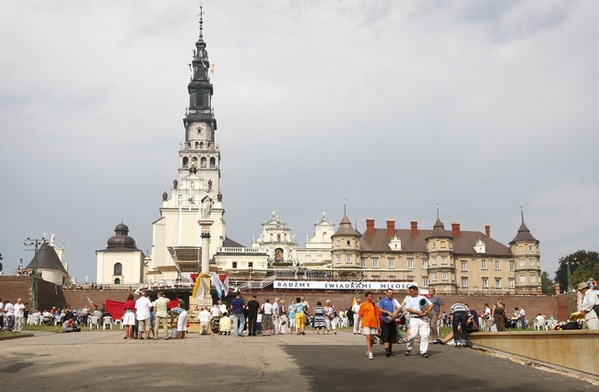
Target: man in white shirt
x=142, y=308
x=204, y=318
x=522, y=318
x=417, y=307
x=275, y=315
x=588, y=302
x=19, y=308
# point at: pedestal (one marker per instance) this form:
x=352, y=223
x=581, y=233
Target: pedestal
x=205, y=225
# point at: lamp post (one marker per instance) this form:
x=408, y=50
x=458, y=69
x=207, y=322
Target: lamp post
x=569, y=282
x=34, y=278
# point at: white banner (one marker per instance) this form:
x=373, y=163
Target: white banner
x=340, y=285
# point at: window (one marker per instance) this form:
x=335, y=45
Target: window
x=464, y=266
x=434, y=261
x=234, y=265
x=434, y=245
x=464, y=282
x=425, y=263
x=425, y=282
x=485, y=283
x=348, y=259
x=338, y=242
x=117, y=281
x=483, y=264
x=375, y=263
x=498, y=283
x=497, y=265
x=533, y=278
x=250, y=264
x=531, y=262
x=118, y=269
x=348, y=243
x=444, y=260
x=363, y=263
x=435, y=277
x=521, y=263
x=411, y=263
x=512, y=283
x=530, y=248
x=391, y=263
x=444, y=276
x=522, y=278
x=512, y=266
x=338, y=259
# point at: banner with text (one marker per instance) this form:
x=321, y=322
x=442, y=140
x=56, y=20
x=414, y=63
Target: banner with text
x=326, y=285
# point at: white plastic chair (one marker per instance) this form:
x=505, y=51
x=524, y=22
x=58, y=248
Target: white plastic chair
x=106, y=321
x=538, y=325
x=93, y=320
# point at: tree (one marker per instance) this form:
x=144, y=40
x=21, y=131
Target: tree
x=547, y=284
x=583, y=265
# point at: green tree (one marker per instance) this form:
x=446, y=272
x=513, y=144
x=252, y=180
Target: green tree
x=547, y=284
x=583, y=265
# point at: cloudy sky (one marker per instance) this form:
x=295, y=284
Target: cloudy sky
x=479, y=106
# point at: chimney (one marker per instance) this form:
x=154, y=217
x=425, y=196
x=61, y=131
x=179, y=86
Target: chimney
x=455, y=229
x=370, y=226
x=390, y=227
x=488, y=230
x=414, y=225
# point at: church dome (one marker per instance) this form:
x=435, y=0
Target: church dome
x=121, y=238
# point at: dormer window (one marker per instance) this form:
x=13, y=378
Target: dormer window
x=480, y=247
x=395, y=243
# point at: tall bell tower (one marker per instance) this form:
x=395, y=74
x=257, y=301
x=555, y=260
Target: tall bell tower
x=177, y=241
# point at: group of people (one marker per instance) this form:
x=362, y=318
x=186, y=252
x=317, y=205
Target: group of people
x=142, y=318
x=421, y=315
x=13, y=317
x=279, y=317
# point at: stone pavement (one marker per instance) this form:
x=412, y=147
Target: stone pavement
x=103, y=360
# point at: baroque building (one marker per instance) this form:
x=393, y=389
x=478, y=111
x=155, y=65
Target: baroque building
x=450, y=261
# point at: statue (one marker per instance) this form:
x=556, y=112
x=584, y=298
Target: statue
x=175, y=183
x=164, y=196
x=209, y=186
x=206, y=206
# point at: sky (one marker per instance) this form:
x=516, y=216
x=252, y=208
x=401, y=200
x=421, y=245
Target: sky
x=389, y=108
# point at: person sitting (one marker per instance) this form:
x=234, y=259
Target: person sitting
x=225, y=324
x=70, y=326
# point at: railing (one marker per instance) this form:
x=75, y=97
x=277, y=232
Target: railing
x=232, y=249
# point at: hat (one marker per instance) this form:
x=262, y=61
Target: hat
x=582, y=286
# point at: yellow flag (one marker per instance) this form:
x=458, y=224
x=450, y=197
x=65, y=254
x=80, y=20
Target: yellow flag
x=196, y=286
x=212, y=69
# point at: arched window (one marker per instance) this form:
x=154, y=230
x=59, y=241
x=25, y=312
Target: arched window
x=212, y=162
x=197, y=145
x=201, y=145
x=203, y=162
x=117, y=281
x=185, y=161
x=118, y=269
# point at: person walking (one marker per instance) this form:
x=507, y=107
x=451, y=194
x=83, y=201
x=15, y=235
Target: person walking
x=355, y=309
x=389, y=309
x=417, y=307
x=369, y=316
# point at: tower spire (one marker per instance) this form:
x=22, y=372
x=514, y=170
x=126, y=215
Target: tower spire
x=522, y=212
x=201, y=15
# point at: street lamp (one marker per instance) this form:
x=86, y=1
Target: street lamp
x=569, y=282
x=34, y=278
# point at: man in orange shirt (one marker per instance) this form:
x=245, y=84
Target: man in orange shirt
x=369, y=315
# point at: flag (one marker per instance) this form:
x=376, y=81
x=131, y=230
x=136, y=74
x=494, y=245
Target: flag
x=196, y=286
x=91, y=303
x=201, y=290
x=212, y=69
x=354, y=302
x=225, y=281
x=218, y=285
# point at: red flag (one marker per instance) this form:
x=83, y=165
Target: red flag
x=91, y=303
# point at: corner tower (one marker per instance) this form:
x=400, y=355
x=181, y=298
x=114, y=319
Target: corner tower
x=176, y=247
